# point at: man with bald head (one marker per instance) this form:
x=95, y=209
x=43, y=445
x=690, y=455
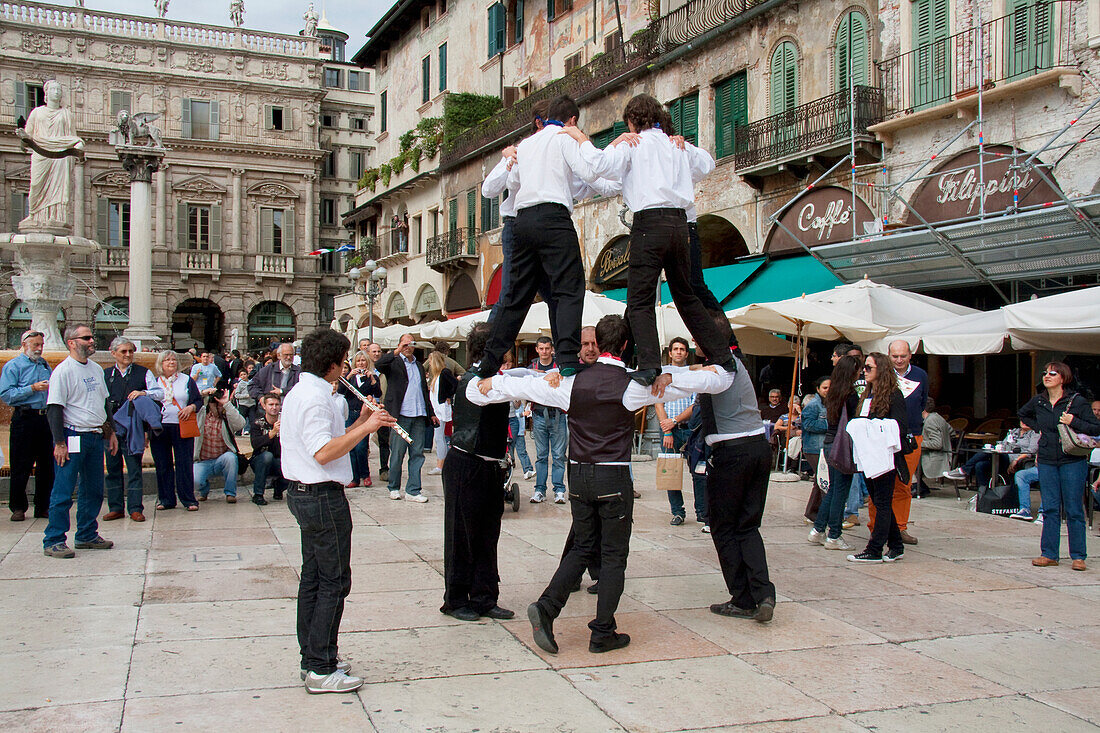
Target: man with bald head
x=913, y=382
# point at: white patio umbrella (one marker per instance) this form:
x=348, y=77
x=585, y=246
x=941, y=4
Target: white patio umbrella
x=1064, y=322
x=751, y=340
x=982, y=332
x=887, y=306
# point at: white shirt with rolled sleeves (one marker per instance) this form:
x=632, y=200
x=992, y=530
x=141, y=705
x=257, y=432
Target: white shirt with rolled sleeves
x=312, y=416
x=655, y=173
x=497, y=182
x=547, y=164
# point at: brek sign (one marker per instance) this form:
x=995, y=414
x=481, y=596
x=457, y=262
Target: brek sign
x=823, y=216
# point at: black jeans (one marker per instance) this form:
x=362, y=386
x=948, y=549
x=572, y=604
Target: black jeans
x=884, y=533
x=546, y=248
x=30, y=447
x=473, y=503
x=383, y=449
x=602, y=501
x=737, y=488
x=117, y=500
x=324, y=518
x=698, y=285
x=659, y=241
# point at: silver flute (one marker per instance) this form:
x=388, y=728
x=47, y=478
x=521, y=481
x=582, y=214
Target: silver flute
x=370, y=404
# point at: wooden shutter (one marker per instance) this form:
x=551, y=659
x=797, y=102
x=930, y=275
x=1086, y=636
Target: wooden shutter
x=181, y=226
x=931, y=63
x=443, y=67
x=102, y=221
x=730, y=111
x=685, y=117
x=549, y=9
x=517, y=32
x=269, y=121
x=215, y=119
x=215, y=228
x=452, y=215
x=1028, y=37
x=21, y=100
x=425, y=79
x=471, y=210
x=382, y=106
x=289, y=231
x=497, y=28
x=15, y=210
x=486, y=208
x=267, y=230
x=851, y=38
x=185, y=117
x=784, y=78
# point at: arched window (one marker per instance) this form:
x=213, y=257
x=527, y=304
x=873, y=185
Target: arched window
x=784, y=78
x=852, y=45
x=270, y=321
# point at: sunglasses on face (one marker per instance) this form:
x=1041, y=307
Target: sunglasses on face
x=1051, y=374
x=83, y=338
x=125, y=351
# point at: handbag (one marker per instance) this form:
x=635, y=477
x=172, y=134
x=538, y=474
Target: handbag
x=840, y=452
x=1073, y=443
x=242, y=462
x=670, y=472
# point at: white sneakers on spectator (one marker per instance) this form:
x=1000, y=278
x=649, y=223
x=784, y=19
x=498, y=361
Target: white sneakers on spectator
x=435, y=471
x=1021, y=515
x=395, y=495
x=342, y=665
x=537, y=498
x=338, y=681
x=528, y=475
x=418, y=498
x=559, y=497
x=706, y=529
x=955, y=474
x=815, y=537
x=837, y=544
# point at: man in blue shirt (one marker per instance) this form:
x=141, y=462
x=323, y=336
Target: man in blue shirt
x=206, y=373
x=23, y=385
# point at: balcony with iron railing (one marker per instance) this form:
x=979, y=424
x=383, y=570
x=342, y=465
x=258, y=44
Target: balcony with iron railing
x=672, y=30
x=1031, y=47
x=821, y=129
x=452, y=249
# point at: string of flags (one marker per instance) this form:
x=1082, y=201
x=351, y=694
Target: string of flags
x=327, y=250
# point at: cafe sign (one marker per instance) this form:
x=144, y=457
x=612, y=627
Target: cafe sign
x=954, y=191
x=611, y=264
x=823, y=216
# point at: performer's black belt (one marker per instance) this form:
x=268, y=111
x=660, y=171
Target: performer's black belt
x=759, y=437
x=30, y=411
x=509, y=218
x=546, y=208
x=647, y=213
x=322, y=486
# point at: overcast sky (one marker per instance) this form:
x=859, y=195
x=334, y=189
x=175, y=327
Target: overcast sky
x=354, y=17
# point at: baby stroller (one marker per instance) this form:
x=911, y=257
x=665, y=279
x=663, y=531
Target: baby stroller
x=508, y=464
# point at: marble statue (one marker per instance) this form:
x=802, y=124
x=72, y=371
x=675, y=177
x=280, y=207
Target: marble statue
x=162, y=7
x=236, y=12
x=310, y=17
x=134, y=127
x=49, y=133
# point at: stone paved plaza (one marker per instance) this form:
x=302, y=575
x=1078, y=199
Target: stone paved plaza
x=188, y=625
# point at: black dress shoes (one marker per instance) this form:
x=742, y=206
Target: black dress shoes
x=542, y=627
x=615, y=641
x=765, y=610
x=594, y=588
x=501, y=614
x=464, y=614
x=734, y=611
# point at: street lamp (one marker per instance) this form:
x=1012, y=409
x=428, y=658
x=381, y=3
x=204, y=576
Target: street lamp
x=370, y=290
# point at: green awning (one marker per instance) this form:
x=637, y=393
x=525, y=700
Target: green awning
x=784, y=278
x=722, y=281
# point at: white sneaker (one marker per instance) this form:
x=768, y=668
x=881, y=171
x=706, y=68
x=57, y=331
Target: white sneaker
x=837, y=544
x=537, y=498
x=706, y=529
x=815, y=537
x=1021, y=515
x=341, y=666
x=1039, y=518
x=435, y=471
x=338, y=681
x=955, y=474
x=528, y=475
x=559, y=497
x=395, y=495
x=418, y=498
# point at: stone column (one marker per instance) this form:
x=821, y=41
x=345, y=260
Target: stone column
x=162, y=207
x=236, y=244
x=309, y=213
x=140, y=163
x=78, y=199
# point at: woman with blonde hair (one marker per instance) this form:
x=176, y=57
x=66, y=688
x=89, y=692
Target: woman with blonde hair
x=174, y=455
x=441, y=389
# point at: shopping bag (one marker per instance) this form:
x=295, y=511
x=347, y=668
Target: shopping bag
x=822, y=474
x=670, y=472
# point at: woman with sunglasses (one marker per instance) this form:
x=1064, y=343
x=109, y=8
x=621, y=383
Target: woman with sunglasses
x=1062, y=477
x=888, y=403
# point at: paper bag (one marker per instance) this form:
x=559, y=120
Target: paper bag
x=670, y=472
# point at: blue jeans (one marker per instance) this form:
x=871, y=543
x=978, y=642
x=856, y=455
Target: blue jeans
x=263, y=465
x=113, y=482
x=86, y=469
x=360, y=469
x=416, y=428
x=224, y=465
x=519, y=444
x=979, y=465
x=856, y=496
x=834, y=504
x=1024, y=479
x=549, y=428
x=1062, y=488
x=698, y=484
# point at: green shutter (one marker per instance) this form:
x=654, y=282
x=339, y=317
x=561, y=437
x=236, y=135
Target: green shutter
x=784, y=78
x=501, y=27
x=21, y=100
x=15, y=210
x=685, y=117
x=517, y=36
x=382, y=112
x=731, y=110
x=215, y=228
x=215, y=124
x=102, y=218
x=443, y=67
x=288, y=231
x=452, y=215
x=181, y=226
x=486, y=208
x=855, y=26
x=549, y=9
x=931, y=61
x=471, y=209
x=1028, y=41
x=426, y=79
x=267, y=230
x=497, y=25
x=185, y=117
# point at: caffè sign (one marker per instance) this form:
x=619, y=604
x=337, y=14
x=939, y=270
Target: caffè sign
x=611, y=264
x=954, y=190
x=823, y=216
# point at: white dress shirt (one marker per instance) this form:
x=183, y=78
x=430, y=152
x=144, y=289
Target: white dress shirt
x=312, y=416
x=497, y=181
x=547, y=164
x=655, y=173
x=413, y=403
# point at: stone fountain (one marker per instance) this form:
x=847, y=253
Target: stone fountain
x=45, y=243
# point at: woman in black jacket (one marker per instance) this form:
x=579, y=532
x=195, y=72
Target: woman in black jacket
x=1062, y=477
x=887, y=402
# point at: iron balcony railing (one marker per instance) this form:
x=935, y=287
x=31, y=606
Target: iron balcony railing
x=452, y=245
x=807, y=127
x=1033, y=39
x=663, y=34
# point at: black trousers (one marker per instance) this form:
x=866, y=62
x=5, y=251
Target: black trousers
x=324, y=518
x=545, y=249
x=30, y=446
x=594, y=563
x=698, y=285
x=884, y=533
x=383, y=449
x=473, y=504
x=659, y=241
x=602, y=501
x=737, y=488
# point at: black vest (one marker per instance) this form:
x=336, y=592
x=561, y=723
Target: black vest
x=600, y=428
x=481, y=431
x=119, y=387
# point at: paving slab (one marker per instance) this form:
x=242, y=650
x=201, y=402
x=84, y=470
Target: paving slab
x=87, y=563
x=907, y=618
x=221, y=585
x=67, y=628
x=199, y=666
x=1035, y=608
x=89, y=717
x=23, y=594
x=975, y=716
x=60, y=676
x=216, y=619
x=1083, y=702
x=820, y=724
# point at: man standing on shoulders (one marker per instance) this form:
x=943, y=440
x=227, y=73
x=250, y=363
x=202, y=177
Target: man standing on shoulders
x=913, y=383
x=317, y=467
x=206, y=373
x=548, y=427
x=278, y=376
x=267, y=450
x=406, y=397
x=78, y=423
x=125, y=381
x=23, y=385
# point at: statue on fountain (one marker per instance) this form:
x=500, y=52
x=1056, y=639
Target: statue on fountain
x=50, y=134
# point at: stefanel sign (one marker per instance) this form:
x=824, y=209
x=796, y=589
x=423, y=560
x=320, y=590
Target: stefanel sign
x=823, y=216
x=611, y=264
x=954, y=190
